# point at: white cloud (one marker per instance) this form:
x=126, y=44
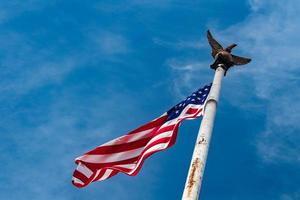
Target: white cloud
x=24, y=66
x=110, y=43
x=293, y=196
x=279, y=142
x=269, y=35
x=46, y=136
x=184, y=75
x=71, y=125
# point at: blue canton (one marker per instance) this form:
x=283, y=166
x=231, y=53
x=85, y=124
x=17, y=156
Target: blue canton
x=196, y=98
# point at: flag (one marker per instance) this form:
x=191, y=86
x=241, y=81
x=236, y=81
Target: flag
x=127, y=153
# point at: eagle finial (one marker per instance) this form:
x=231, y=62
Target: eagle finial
x=223, y=55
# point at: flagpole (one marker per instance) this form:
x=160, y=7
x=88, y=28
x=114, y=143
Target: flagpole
x=197, y=166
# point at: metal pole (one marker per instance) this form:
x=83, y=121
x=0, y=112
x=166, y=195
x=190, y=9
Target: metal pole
x=195, y=174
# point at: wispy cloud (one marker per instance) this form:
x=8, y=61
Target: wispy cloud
x=109, y=43
x=269, y=36
x=66, y=128
x=47, y=135
x=24, y=66
x=184, y=73
x=293, y=196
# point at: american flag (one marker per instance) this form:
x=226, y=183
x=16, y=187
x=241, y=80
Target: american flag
x=127, y=153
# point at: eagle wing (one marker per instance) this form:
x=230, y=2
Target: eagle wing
x=215, y=46
x=240, y=60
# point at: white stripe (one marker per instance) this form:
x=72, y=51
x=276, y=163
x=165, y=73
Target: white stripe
x=114, y=157
x=156, y=147
x=153, y=148
x=84, y=170
x=105, y=175
x=97, y=173
x=171, y=122
x=76, y=180
x=161, y=135
x=127, y=166
x=129, y=138
x=183, y=115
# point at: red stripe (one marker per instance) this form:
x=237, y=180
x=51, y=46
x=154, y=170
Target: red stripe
x=102, y=173
x=77, y=184
x=122, y=169
x=94, y=166
x=191, y=111
x=112, y=174
x=125, y=170
x=157, y=122
x=171, y=141
x=137, y=144
x=197, y=113
x=99, y=175
x=165, y=129
x=80, y=176
x=120, y=147
x=145, y=157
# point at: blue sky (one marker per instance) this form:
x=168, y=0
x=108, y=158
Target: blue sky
x=76, y=74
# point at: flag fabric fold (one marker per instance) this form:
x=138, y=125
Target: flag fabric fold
x=127, y=153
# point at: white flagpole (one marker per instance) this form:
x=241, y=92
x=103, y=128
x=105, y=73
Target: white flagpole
x=196, y=170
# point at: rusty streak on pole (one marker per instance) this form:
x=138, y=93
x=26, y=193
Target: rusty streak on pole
x=195, y=174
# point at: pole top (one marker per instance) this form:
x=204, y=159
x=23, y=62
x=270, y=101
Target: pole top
x=222, y=56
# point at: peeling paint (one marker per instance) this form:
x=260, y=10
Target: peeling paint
x=202, y=140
